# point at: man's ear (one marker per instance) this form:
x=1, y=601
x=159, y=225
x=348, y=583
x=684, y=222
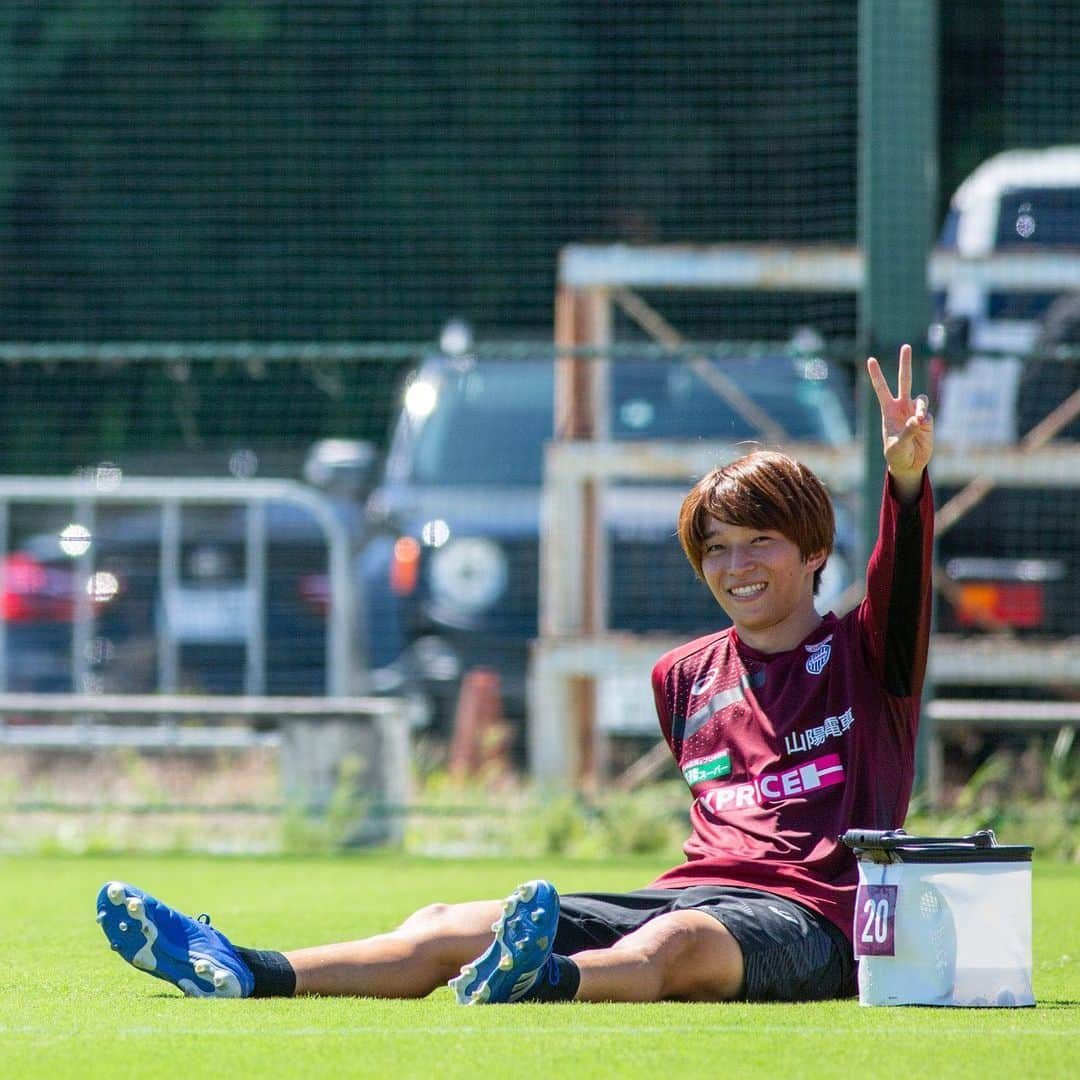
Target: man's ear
x=816, y=561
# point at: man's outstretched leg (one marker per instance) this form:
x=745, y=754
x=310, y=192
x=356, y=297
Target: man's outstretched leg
x=680, y=955
x=411, y=961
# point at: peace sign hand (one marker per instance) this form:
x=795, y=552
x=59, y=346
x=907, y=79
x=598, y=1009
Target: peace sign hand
x=907, y=428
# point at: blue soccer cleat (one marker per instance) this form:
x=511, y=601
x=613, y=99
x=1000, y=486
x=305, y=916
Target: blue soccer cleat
x=517, y=958
x=170, y=945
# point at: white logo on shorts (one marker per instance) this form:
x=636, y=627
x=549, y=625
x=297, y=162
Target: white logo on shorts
x=783, y=914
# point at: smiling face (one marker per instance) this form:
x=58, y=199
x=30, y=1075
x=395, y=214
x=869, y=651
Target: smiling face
x=759, y=530
x=761, y=580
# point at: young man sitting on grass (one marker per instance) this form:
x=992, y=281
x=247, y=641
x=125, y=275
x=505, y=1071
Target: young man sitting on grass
x=789, y=728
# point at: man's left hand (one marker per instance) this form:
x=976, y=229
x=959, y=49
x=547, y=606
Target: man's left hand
x=907, y=428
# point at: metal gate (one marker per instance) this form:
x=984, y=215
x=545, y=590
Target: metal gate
x=237, y=614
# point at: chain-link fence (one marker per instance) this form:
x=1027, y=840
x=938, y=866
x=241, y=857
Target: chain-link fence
x=231, y=232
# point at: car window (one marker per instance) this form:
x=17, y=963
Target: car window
x=485, y=424
x=949, y=227
x=1039, y=217
x=671, y=400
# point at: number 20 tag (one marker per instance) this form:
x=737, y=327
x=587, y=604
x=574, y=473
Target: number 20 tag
x=875, y=920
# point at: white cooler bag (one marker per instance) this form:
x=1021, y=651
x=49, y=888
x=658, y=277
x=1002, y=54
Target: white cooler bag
x=942, y=921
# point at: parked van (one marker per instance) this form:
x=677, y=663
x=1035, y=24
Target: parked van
x=1017, y=202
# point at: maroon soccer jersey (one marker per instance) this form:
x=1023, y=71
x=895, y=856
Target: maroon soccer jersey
x=784, y=752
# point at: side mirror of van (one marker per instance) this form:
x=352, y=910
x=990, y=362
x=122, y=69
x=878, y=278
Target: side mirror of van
x=344, y=467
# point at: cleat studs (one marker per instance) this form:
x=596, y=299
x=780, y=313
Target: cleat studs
x=101, y=916
x=135, y=907
x=542, y=942
x=203, y=968
x=506, y=962
x=467, y=972
x=115, y=892
x=496, y=926
x=220, y=979
x=122, y=926
x=537, y=915
x=114, y=946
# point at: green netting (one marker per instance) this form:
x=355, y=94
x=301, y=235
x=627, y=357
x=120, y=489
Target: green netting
x=1041, y=72
x=331, y=170
x=329, y=182
x=190, y=414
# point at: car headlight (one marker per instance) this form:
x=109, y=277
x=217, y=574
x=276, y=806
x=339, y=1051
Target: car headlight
x=468, y=574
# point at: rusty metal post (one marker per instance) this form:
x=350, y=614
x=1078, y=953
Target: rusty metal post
x=582, y=334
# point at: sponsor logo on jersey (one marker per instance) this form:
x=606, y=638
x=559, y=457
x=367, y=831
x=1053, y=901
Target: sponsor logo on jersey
x=707, y=768
x=774, y=787
x=833, y=728
x=706, y=680
x=819, y=652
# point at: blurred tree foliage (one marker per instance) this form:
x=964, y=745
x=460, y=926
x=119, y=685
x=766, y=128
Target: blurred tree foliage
x=318, y=170
x=277, y=169
x=325, y=170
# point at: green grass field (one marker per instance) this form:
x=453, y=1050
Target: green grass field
x=70, y=1008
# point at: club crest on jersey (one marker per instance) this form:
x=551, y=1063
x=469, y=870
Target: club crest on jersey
x=819, y=652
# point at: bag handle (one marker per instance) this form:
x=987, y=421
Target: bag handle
x=894, y=839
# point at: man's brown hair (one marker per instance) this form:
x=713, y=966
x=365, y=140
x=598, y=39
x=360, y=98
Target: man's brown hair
x=763, y=490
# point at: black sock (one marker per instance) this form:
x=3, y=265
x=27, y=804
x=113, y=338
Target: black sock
x=558, y=981
x=274, y=975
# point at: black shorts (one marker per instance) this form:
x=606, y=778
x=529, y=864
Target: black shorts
x=789, y=952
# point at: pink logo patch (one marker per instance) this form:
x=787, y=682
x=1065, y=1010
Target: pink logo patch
x=822, y=772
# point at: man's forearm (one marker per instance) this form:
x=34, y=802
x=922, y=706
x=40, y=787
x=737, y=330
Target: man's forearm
x=907, y=486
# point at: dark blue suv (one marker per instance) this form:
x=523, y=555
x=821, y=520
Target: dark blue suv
x=451, y=567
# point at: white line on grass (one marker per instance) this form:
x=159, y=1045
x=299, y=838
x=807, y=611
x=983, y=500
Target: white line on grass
x=461, y=1029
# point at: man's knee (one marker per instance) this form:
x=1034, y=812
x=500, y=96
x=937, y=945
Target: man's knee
x=452, y=920
x=431, y=917
x=695, y=956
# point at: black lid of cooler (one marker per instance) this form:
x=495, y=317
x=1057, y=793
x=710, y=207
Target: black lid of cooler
x=895, y=845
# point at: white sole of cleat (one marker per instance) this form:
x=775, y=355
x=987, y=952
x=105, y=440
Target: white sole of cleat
x=463, y=983
x=144, y=959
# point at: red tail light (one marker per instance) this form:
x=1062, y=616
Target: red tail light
x=34, y=592
x=1008, y=603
